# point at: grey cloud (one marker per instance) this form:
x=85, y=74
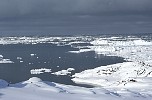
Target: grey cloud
x=10, y=8
x=76, y=15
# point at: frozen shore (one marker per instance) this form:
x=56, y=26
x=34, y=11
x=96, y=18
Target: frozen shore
x=130, y=80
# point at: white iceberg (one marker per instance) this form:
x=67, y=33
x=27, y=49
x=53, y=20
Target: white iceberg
x=40, y=71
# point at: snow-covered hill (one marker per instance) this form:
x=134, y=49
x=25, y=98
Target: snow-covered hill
x=36, y=89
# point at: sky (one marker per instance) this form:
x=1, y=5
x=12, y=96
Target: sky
x=74, y=17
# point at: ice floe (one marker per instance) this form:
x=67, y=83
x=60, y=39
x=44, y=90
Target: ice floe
x=6, y=61
x=3, y=60
x=35, y=40
x=33, y=55
x=64, y=72
x=129, y=50
x=21, y=61
x=40, y=71
x=81, y=51
x=19, y=58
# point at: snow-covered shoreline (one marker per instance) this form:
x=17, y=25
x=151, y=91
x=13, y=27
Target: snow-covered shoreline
x=137, y=53
x=116, y=75
x=130, y=80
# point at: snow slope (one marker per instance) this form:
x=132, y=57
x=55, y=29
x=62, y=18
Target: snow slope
x=36, y=89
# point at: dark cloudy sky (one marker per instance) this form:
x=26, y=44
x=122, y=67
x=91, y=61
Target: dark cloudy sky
x=75, y=16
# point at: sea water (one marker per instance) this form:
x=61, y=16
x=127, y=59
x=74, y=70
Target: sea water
x=50, y=56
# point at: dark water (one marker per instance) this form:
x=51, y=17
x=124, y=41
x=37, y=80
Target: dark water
x=47, y=56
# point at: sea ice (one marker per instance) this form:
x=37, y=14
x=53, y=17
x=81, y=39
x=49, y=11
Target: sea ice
x=133, y=74
x=19, y=58
x=131, y=80
x=2, y=60
x=32, y=54
x=64, y=72
x=40, y=71
x=5, y=61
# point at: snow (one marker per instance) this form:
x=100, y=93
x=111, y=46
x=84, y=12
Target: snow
x=137, y=53
x=1, y=56
x=142, y=42
x=36, y=89
x=40, y=71
x=130, y=80
x=100, y=42
x=64, y=72
x=115, y=75
x=36, y=40
x=34, y=79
